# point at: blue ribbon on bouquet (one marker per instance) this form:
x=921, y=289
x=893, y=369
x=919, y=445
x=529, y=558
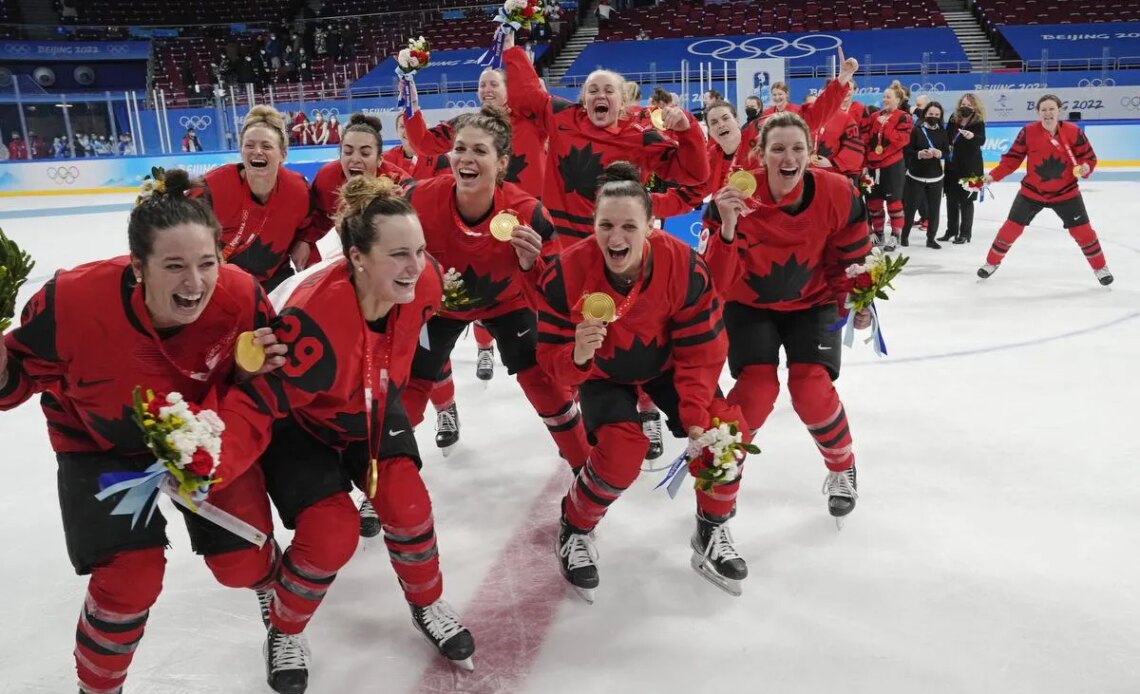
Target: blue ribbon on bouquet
x=141, y=491
x=493, y=56
x=672, y=478
x=405, y=91
x=847, y=325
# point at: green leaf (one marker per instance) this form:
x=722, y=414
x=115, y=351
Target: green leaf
x=15, y=266
x=880, y=294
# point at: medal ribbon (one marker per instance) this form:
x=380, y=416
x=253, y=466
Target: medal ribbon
x=634, y=292
x=239, y=241
x=375, y=378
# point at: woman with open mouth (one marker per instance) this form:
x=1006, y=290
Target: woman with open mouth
x=779, y=261
x=660, y=331
x=587, y=136
x=166, y=317
x=889, y=134
x=262, y=206
x=333, y=418
x=495, y=275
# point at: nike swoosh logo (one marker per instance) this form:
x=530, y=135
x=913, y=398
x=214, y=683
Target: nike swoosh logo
x=822, y=348
x=91, y=384
x=396, y=433
x=523, y=332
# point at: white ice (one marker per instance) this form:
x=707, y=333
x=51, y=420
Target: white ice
x=991, y=549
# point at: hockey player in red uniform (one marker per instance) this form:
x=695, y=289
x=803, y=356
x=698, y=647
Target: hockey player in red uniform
x=262, y=206
x=666, y=336
x=889, y=134
x=497, y=273
x=351, y=327
x=588, y=135
x=1058, y=154
x=779, y=261
x=165, y=318
x=404, y=157
x=837, y=144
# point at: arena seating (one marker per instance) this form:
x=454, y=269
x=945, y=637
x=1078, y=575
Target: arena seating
x=998, y=12
x=160, y=12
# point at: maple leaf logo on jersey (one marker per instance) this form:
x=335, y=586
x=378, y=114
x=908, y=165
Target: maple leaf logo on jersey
x=121, y=433
x=515, y=168
x=1052, y=169
x=640, y=361
x=482, y=290
x=824, y=151
x=580, y=170
x=783, y=283
x=257, y=258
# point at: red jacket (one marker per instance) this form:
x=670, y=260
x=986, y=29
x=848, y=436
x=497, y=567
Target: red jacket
x=325, y=196
x=492, y=279
x=886, y=140
x=255, y=237
x=1049, y=173
x=790, y=261
x=86, y=341
x=580, y=151
x=815, y=115
x=17, y=149
x=528, y=147
x=674, y=323
x=840, y=141
x=678, y=200
x=419, y=168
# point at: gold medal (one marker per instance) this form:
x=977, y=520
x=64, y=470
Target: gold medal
x=249, y=355
x=503, y=225
x=878, y=149
x=743, y=181
x=373, y=478
x=1077, y=171
x=599, y=306
x=657, y=119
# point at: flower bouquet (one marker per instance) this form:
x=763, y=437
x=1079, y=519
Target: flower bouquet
x=867, y=282
x=976, y=184
x=512, y=16
x=455, y=296
x=153, y=183
x=15, y=265
x=726, y=449
x=866, y=183
x=409, y=61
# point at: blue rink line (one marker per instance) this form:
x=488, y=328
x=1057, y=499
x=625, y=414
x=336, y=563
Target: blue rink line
x=66, y=211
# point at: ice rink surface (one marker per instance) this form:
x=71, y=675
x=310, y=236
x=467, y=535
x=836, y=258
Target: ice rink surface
x=991, y=550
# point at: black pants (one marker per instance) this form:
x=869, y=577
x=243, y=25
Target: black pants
x=516, y=333
x=916, y=193
x=959, y=210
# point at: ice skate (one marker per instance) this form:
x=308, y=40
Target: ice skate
x=369, y=521
x=1104, y=276
x=286, y=662
x=890, y=243
x=578, y=558
x=447, y=429
x=714, y=555
x=485, y=365
x=440, y=625
x=987, y=270
x=651, y=427
x=841, y=491
x=264, y=601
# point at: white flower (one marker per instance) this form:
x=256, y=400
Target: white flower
x=854, y=271
x=404, y=58
x=413, y=61
x=512, y=5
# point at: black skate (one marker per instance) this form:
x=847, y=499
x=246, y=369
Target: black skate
x=1104, y=276
x=369, y=521
x=986, y=271
x=447, y=429
x=714, y=556
x=286, y=662
x=841, y=491
x=578, y=558
x=485, y=365
x=651, y=427
x=439, y=623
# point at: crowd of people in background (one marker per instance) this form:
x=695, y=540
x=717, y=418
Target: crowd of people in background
x=62, y=147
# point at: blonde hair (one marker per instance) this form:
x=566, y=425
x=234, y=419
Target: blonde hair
x=787, y=119
x=362, y=200
x=592, y=75
x=977, y=105
x=268, y=117
x=783, y=86
x=899, y=90
x=632, y=93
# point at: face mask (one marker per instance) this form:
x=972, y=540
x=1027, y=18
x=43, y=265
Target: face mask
x=965, y=112
x=751, y=113
x=933, y=120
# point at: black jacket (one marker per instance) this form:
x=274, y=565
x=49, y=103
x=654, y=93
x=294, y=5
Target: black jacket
x=966, y=158
x=925, y=168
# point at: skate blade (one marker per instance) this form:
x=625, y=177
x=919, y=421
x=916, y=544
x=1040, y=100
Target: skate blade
x=586, y=594
x=448, y=450
x=731, y=586
x=467, y=664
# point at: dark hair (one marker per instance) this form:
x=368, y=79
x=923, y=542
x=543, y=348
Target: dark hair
x=937, y=105
x=714, y=94
x=494, y=121
x=721, y=103
x=1050, y=97
x=622, y=179
x=661, y=96
x=168, y=205
x=787, y=119
x=753, y=98
x=362, y=200
x=360, y=123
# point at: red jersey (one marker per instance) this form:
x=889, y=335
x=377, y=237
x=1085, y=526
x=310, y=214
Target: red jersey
x=528, y=147
x=86, y=341
x=815, y=115
x=886, y=140
x=580, y=151
x=256, y=237
x=419, y=168
x=679, y=200
x=840, y=141
x=492, y=280
x=325, y=195
x=670, y=319
x=788, y=108
x=1049, y=173
x=787, y=261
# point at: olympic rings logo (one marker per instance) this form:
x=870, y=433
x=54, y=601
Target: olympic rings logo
x=18, y=49
x=462, y=104
x=926, y=87
x=118, y=49
x=325, y=112
x=1132, y=103
x=63, y=174
x=1106, y=82
x=196, y=122
x=765, y=47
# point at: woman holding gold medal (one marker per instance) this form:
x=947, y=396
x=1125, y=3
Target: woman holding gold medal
x=635, y=309
x=889, y=135
x=489, y=235
x=168, y=317
x=352, y=329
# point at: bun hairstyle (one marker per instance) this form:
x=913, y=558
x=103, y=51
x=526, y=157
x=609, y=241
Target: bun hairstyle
x=167, y=200
x=787, y=119
x=632, y=92
x=622, y=179
x=362, y=200
x=268, y=117
x=371, y=125
x=494, y=121
x=661, y=97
